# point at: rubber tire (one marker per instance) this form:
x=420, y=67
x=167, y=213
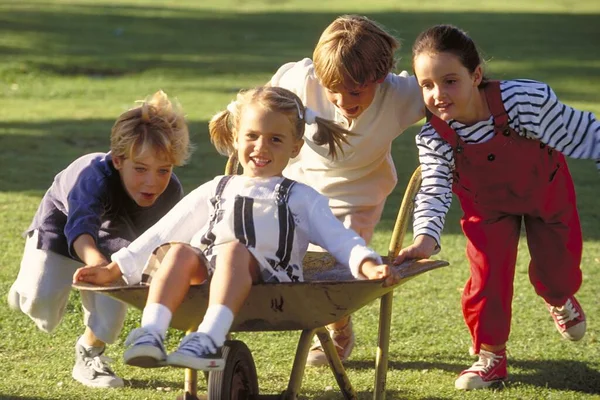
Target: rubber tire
x=238, y=380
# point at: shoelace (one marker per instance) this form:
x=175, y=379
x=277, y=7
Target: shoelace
x=487, y=361
x=99, y=364
x=138, y=333
x=565, y=313
x=198, y=344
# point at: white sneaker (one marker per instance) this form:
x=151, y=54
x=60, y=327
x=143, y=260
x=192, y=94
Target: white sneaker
x=197, y=351
x=91, y=368
x=146, y=349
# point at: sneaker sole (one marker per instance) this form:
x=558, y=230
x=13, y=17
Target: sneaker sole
x=183, y=361
x=115, y=382
x=478, y=385
x=145, y=357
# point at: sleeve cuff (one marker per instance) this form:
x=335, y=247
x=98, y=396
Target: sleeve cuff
x=127, y=265
x=357, y=256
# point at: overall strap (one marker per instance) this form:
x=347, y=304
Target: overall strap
x=209, y=237
x=286, y=223
x=447, y=133
x=243, y=220
x=493, y=96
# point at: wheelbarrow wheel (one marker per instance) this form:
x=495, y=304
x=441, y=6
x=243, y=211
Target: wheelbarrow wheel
x=238, y=380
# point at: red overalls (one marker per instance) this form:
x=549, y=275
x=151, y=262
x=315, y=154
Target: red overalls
x=499, y=183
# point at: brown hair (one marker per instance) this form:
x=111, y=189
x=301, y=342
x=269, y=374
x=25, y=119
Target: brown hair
x=223, y=126
x=355, y=48
x=449, y=39
x=158, y=124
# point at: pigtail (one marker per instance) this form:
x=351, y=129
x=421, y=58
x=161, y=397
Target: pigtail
x=221, y=132
x=331, y=134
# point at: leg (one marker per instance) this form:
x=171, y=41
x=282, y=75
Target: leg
x=235, y=271
x=180, y=266
x=487, y=296
x=42, y=288
x=555, y=244
x=362, y=220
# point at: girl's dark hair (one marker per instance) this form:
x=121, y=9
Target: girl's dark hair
x=449, y=39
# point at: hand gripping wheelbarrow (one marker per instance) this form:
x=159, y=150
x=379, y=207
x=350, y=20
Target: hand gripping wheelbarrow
x=328, y=293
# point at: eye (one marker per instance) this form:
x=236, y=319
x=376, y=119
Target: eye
x=251, y=135
x=141, y=170
x=427, y=86
x=277, y=139
x=450, y=81
x=164, y=171
x=355, y=94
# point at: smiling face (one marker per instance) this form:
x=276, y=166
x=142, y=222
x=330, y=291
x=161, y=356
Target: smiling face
x=352, y=100
x=265, y=141
x=145, y=177
x=450, y=91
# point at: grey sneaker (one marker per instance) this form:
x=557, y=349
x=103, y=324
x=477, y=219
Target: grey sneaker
x=91, y=369
x=197, y=351
x=146, y=349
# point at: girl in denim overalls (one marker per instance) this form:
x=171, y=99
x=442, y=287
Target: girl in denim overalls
x=499, y=145
x=240, y=229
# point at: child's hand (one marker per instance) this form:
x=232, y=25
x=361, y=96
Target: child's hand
x=372, y=270
x=423, y=247
x=98, y=275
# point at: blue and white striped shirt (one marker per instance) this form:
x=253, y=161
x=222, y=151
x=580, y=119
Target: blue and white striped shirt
x=533, y=112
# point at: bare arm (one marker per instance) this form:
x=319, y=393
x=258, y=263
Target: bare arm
x=87, y=251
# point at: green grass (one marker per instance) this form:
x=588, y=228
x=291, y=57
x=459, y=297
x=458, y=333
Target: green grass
x=69, y=68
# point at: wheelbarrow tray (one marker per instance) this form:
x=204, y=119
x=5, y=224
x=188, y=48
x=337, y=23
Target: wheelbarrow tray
x=328, y=293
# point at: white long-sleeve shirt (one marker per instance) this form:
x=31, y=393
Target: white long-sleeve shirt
x=533, y=112
x=365, y=175
x=189, y=220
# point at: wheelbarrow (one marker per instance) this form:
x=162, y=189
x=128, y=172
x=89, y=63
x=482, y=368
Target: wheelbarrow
x=328, y=293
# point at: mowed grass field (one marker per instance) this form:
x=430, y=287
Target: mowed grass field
x=69, y=68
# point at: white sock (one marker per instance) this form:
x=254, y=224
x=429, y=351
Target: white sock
x=157, y=318
x=216, y=323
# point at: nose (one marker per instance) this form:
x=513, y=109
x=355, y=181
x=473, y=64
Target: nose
x=342, y=100
x=437, y=92
x=259, y=143
x=151, y=179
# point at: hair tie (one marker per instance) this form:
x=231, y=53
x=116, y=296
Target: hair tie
x=310, y=116
x=232, y=107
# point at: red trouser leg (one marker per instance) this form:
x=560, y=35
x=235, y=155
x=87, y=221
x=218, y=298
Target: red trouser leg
x=555, y=243
x=487, y=296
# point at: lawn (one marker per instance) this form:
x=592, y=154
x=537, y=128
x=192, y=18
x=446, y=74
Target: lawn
x=69, y=68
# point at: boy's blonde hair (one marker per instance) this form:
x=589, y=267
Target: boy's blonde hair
x=223, y=126
x=354, y=48
x=158, y=124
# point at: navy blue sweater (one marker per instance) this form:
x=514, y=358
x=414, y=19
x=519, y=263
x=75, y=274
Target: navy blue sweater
x=88, y=197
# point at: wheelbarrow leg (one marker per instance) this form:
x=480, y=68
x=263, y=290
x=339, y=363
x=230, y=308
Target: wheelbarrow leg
x=336, y=364
x=299, y=363
x=381, y=361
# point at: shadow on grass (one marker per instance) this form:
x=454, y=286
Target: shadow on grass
x=561, y=375
x=111, y=41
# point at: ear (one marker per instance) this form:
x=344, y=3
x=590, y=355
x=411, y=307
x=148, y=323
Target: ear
x=297, y=147
x=118, y=162
x=380, y=80
x=477, y=75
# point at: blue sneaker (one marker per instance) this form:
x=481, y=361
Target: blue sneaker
x=197, y=351
x=146, y=349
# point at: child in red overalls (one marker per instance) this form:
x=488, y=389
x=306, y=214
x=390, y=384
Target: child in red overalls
x=499, y=147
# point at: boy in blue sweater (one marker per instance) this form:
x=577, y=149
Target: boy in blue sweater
x=97, y=205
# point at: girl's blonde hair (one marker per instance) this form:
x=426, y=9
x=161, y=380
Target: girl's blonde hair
x=156, y=124
x=223, y=126
x=355, y=48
